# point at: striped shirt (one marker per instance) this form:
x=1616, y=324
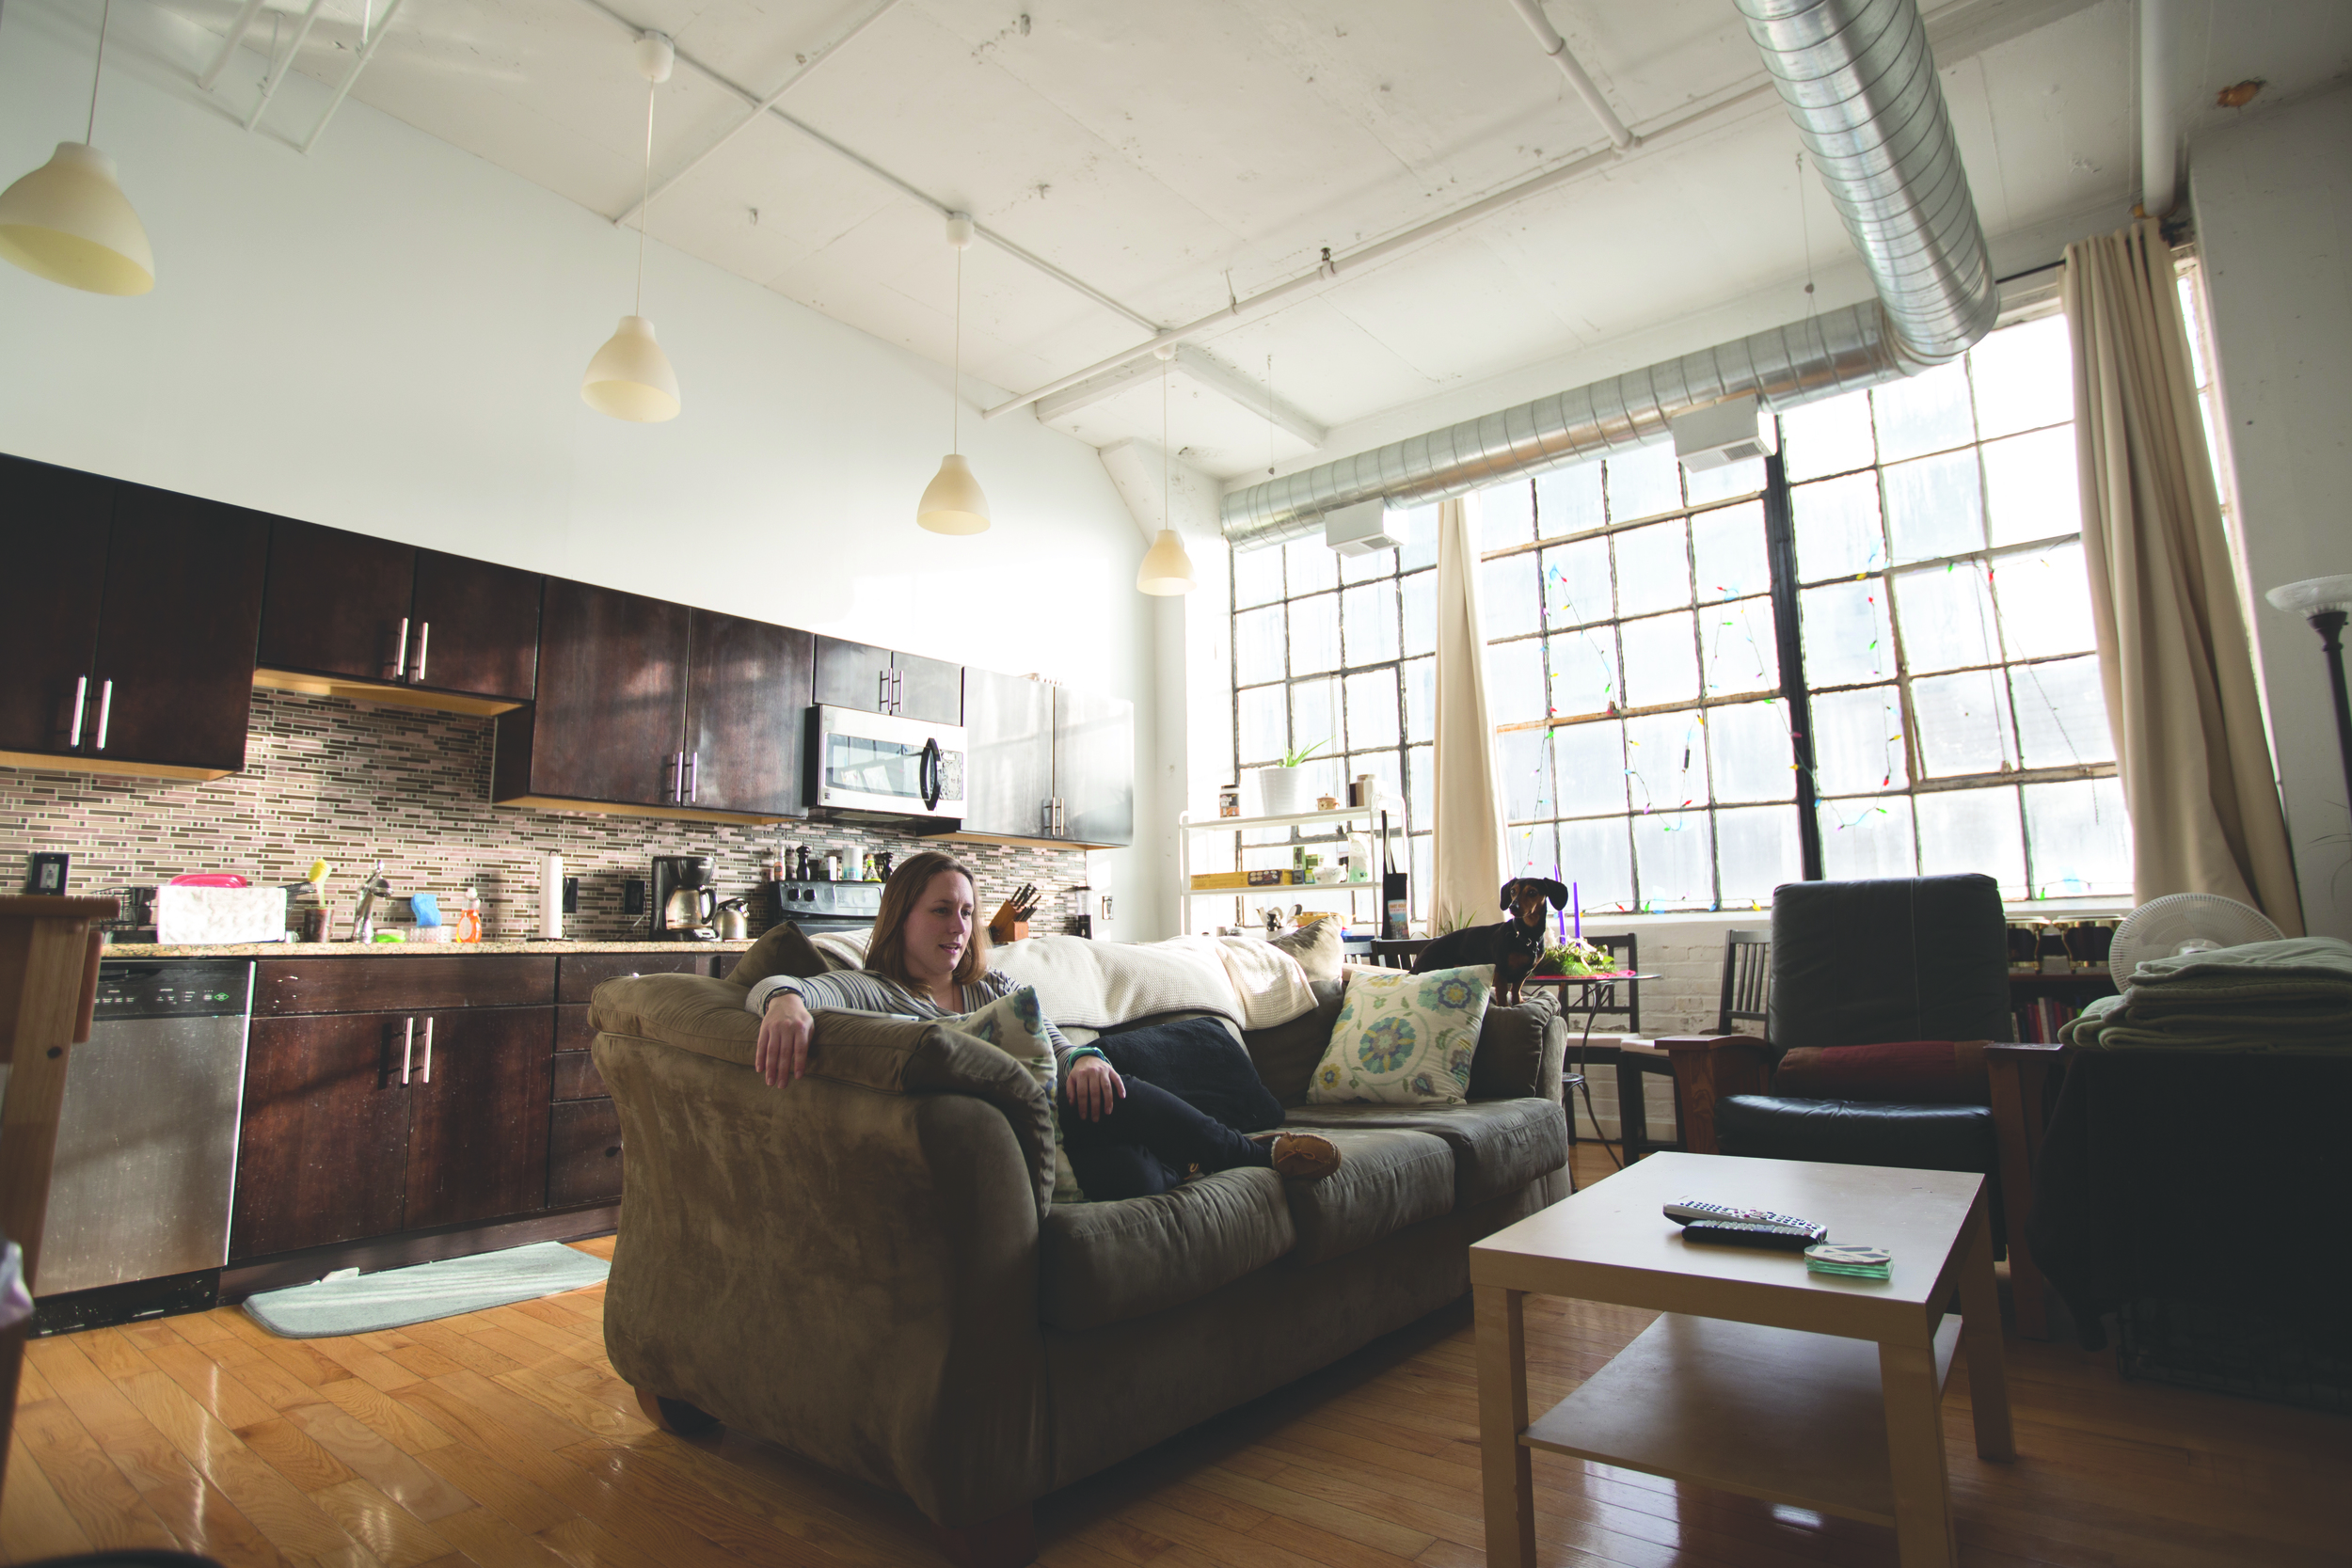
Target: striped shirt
x=865, y=991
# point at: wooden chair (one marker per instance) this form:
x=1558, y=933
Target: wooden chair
x=1747, y=984
x=49, y=950
x=1397, y=952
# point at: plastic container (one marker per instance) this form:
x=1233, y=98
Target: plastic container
x=469, y=917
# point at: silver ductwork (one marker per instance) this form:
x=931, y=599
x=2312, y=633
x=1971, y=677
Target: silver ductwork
x=1860, y=84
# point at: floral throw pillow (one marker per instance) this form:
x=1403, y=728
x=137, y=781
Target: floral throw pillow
x=1015, y=1023
x=1404, y=1039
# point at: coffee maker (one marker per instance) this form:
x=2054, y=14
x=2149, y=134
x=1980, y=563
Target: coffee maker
x=684, y=902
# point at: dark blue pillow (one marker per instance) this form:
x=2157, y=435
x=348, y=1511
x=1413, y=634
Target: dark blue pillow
x=1199, y=1061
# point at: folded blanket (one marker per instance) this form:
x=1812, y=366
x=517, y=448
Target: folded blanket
x=2287, y=997
x=1095, y=985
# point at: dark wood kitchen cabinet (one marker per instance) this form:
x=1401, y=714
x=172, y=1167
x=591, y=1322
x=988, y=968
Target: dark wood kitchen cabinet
x=323, y=1155
x=130, y=642
x=649, y=707
x=354, y=614
x=882, y=680
x=477, y=1118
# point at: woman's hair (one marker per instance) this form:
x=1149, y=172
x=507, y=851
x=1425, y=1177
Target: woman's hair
x=886, y=952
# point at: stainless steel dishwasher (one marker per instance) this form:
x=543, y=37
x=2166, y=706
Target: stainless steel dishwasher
x=146, y=1145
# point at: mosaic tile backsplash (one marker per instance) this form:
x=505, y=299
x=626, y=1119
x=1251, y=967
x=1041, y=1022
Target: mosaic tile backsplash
x=353, y=783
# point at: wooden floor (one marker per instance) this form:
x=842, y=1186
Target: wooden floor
x=502, y=1439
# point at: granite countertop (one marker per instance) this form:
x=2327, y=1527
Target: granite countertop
x=406, y=949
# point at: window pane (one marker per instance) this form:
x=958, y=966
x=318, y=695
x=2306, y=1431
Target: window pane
x=1661, y=663
x=1584, y=671
x=1827, y=437
x=2186, y=287
x=1371, y=709
x=1964, y=724
x=1755, y=851
x=2045, y=602
x=1515, y=681
x=1421, y=612
x=2030, y=486
x=1727, y=550
x=1418, y=528
x=1314, y=716
x=1364, y=568
x=1644, y=482
x=1260, y=715
x=1567, y=500
x=1310, y=565
x=1368, y=617
x=1671, y=858
x=1576, y=583
x=1947, y=616
x=1934, y=507
x=1653, y=568
x=1666, y=762
x=1867, y=838
x=1858, y=742
x=1256, y=578
x=2081, y=838
x=1845, y=633
x=1741, y=656
x=1596, y=861
x=2025, y=377
x=1732, y=478
x=1508, y=601
x=1419, y=881
x=1927, y=412
x=1837, y=528
x=1749, y=747
x=1588, y=760
x=1506, y=514
x=1420, y=784
x=1420, y=699
x=1973, y=830
x=1523, y=773
x=1315, y=634
x=2061, y=714
x=1258, y=645
x=1528, y=849
x=1382, y=766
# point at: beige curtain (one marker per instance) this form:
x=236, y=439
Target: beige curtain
x=2173, y=652
x=1467, y=864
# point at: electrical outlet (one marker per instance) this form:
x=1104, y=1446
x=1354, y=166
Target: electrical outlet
x=571, y=895
x=633, y=895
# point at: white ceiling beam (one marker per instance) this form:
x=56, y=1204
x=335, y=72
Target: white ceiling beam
x=1220, y=379
x=1084, y=393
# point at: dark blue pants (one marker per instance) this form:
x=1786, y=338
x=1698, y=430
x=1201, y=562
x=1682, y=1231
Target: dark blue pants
x=1147, y=1142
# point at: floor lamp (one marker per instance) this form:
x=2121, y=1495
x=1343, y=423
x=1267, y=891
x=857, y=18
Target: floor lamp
x=2325, y=602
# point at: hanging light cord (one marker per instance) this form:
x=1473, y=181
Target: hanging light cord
x=1166, y=518
x=955, y=384
x=644, y=199
x=91, y=128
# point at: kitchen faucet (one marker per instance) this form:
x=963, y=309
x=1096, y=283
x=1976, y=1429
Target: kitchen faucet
x=363, y=920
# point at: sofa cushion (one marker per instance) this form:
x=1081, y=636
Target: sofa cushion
x=1404, y=1039
x=1510, y=1060
x=1498, y=1146
x=1909, y=1072
x=1286, y=1054
x=1389, y=1178
x=1107, y=1262
x=1317, y=947
x=1200, y=1062
x=782, y=949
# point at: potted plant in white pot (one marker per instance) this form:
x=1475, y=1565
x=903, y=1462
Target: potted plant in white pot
x=1282, y=789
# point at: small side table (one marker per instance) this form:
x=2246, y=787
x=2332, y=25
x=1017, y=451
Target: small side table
x=1573, y=1083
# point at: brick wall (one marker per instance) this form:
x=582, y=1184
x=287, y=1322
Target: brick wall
x=352, y=783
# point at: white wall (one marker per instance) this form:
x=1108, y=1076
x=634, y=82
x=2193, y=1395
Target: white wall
x=2272, y=196
x=388, y=336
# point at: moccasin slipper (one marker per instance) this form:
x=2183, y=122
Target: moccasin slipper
x=1305, y=1157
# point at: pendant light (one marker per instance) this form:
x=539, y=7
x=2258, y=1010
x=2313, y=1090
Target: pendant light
x=630, y=377
x=952, y=502
x=1166, y=570
x=69, y=221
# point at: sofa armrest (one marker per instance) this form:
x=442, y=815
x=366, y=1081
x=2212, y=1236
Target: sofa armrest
x=1707, y=1068
x=2019, y=1075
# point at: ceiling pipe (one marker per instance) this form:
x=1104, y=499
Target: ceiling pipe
x=279, y=68
x=367, y=53
x=1556, y=49
x=2159, y=113
x=237, y=30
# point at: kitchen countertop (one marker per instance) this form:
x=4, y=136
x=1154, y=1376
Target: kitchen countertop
x=406, y=949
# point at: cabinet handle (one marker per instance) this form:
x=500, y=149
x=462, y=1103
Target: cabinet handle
x=81, y=691
x=425, y=630
x=400, y=657
x=1045, y=818
x=408, y=1051
x=695, y=776
x=428, y=1050
x=883, y=702
x=105, y=710
x=1061, y=819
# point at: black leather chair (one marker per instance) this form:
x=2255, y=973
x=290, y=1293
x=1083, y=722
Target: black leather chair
x=1878, y=964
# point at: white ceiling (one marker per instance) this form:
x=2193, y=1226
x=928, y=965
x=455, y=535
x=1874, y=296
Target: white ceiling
x=1162, y=153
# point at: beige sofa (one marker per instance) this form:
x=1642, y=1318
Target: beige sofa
x=869, y=1269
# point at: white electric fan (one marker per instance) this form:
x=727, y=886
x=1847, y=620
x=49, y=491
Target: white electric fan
x=2181, y=923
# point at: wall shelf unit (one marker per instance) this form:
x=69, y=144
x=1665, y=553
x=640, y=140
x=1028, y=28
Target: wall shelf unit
x=1387, y=822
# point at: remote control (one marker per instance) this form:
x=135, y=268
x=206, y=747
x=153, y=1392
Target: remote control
x=1783, y=1238
x=1687, y=1209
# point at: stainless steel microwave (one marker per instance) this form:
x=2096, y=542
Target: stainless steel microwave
x=879, y=765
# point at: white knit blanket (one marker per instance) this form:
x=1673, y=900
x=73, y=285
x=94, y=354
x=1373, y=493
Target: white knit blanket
x=1095, y=985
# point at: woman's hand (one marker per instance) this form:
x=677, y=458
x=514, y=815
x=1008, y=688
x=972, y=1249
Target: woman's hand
x=782, y=1054
x=1094, y=1088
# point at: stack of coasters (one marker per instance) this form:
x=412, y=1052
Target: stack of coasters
x=1862, y=1263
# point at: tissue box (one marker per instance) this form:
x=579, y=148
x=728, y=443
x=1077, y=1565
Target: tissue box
x=189, y=916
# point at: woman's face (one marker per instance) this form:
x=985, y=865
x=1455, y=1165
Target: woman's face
x=939, y=928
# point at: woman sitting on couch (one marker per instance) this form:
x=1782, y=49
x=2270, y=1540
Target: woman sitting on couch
x=929, y=958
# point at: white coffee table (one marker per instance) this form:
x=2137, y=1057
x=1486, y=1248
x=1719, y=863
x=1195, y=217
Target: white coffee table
x=1761, y=1378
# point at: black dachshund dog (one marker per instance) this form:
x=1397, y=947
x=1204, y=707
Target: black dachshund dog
x=1511, y=946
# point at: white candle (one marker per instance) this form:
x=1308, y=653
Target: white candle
x=552, y=896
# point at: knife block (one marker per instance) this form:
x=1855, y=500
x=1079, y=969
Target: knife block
x=1004, y=931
